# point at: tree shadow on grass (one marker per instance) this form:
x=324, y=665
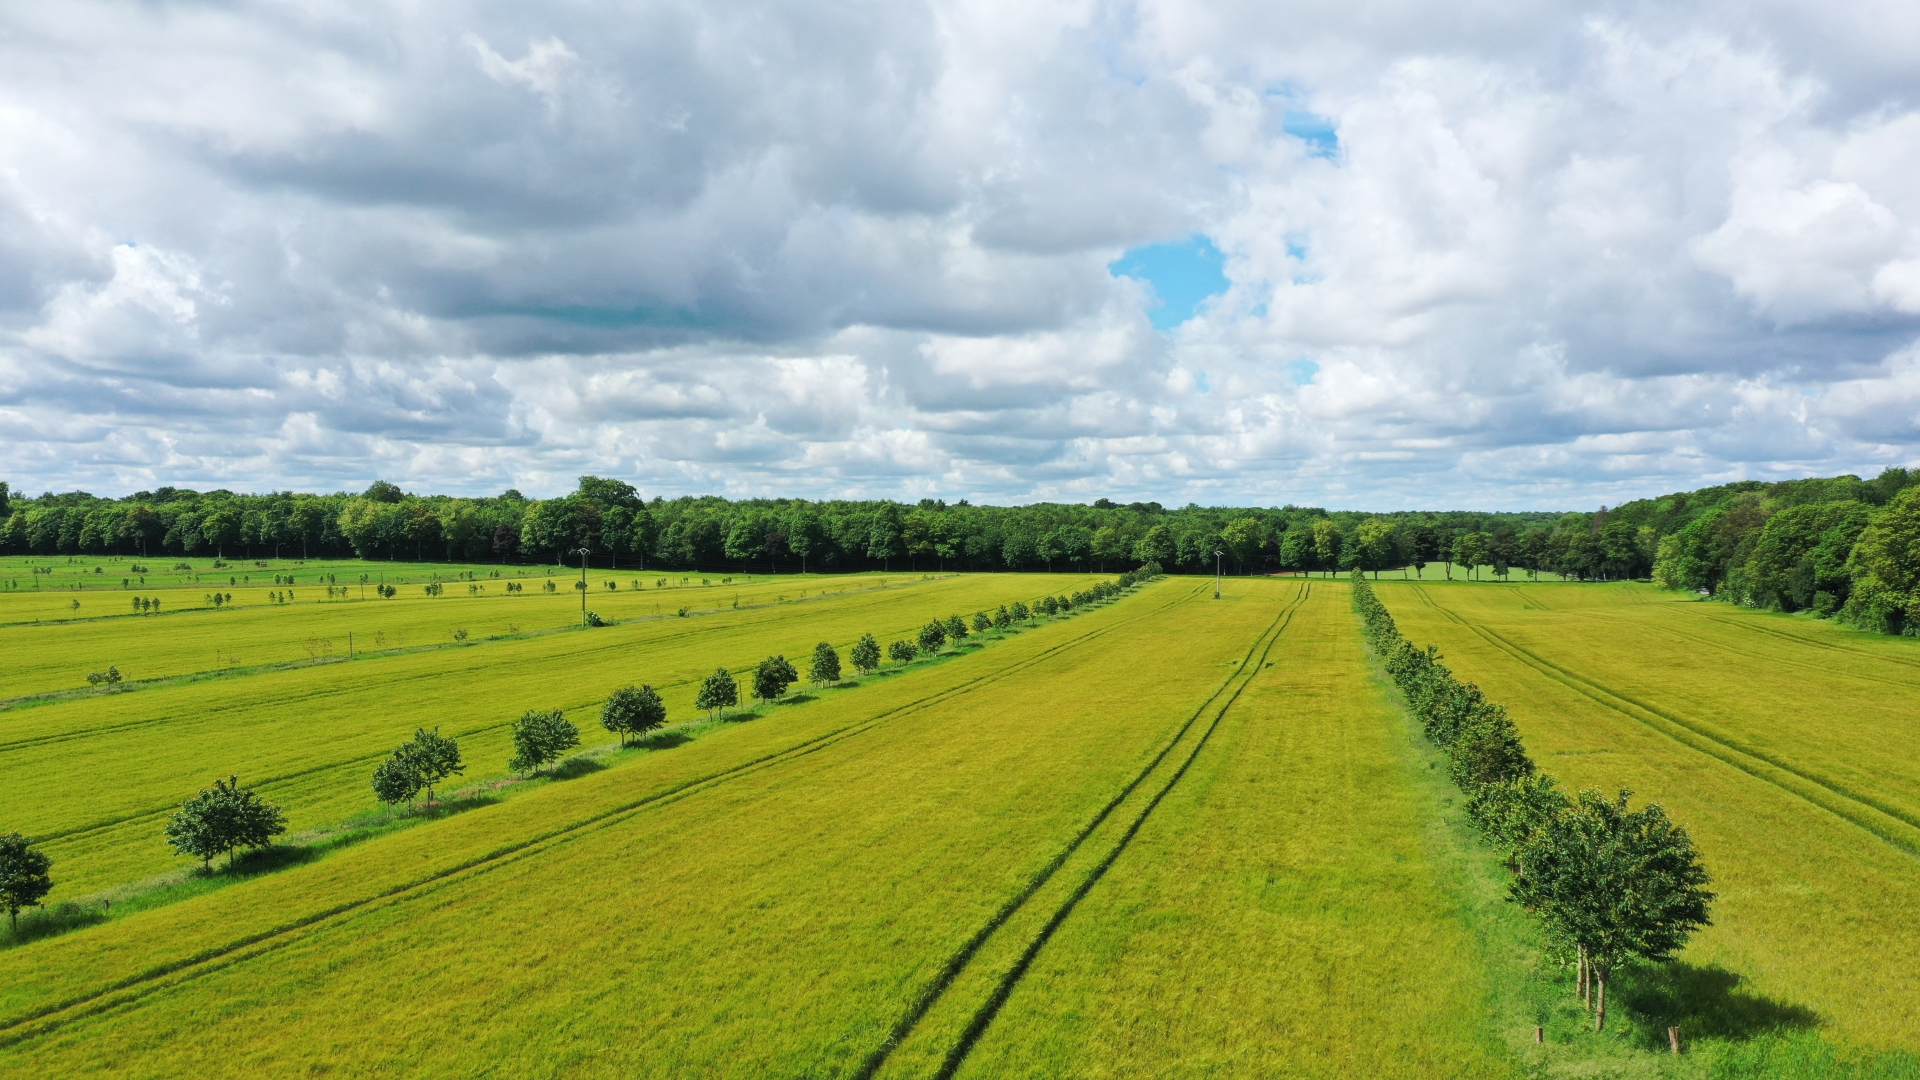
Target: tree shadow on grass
x=797, y=699
x=37, y=923
x=1704, y=1002
x=575, y=767
x=665, y=740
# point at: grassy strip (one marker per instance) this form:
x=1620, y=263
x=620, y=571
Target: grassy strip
x=311, y=844
x=1729, y=1032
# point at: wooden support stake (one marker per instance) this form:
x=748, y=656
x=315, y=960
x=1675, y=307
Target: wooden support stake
x=1539, y=1036
x=1673, y=1038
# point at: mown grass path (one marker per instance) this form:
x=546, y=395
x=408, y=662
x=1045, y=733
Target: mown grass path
x=1785, y=746
x=1278, y=913
x=765, y=901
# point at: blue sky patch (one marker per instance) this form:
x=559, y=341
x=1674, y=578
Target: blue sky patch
x=1300, y=371
x=1317, y=132
x=1183, y=275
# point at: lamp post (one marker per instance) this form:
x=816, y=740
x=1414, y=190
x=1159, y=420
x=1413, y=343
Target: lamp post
x=583, y=553
x=1217, y=553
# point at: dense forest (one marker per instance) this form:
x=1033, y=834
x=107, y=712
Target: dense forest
x=1840, y=546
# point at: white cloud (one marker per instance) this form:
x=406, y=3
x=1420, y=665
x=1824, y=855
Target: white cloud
x=1562, y=254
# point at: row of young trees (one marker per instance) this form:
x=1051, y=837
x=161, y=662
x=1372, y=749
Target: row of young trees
x=1609, y=884
x=225, y=818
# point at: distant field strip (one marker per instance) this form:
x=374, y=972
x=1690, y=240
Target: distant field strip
x=1888, y=822
x=1782, y=743
x=308, y=736
x=776, y=925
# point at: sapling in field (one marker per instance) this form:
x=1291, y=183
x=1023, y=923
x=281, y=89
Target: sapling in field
x=633, y=711
x=221, y=819
x=824, y=668
x=539, y=738
x=981, y=623
x=718, y=693
x=866, y=655
x=1002, y=618
x=24, y=877
x=932, y=636
x=772, y=677
x=956, y=628
x=903, y=651
x=1021, y=613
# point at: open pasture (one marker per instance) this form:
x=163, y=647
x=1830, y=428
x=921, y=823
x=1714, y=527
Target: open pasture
x=94, y=776
x=779, y=898
x=1278, y=913
x=1786, y=746
x=51, y=646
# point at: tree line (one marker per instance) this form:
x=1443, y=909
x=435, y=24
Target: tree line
x=1607, y=883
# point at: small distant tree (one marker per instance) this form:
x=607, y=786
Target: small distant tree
x=24, y=880
x=1613, y=883
x=824, y=669
x=956, y=628
x=903, y=651
x=1002, y=618
x=539, y=738
x=1049, y=606
x=866, y=654
x=632, y=711
x=932, y=636
x=981, y=622
x=772, y=677
x=718, y=693
x=1020, y=612
x=222, y=819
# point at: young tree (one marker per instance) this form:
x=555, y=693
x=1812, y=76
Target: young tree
x=825, y=666
x=222, y=819
x=1048, y=606
x=539, y=738
x=718, y=693
x=433, y=758
x=772, y=677
x=1614, y=883
x=394, y=781
x=633, y=711
x=956, y=628
x=866, y=654
x=903, y=651
x=981, y=623
x=1002, y=618
x=933, y=636
x=23, y=875
x=1020, y=612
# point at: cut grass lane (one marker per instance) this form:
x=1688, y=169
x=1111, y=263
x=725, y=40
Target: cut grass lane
x=1814, y=906
x=1279, y=914
x=94, y=778
x=774, y=925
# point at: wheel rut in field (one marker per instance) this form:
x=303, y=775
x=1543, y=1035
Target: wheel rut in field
x=52, y=1016
x=1900, y=830
x=983, y=1017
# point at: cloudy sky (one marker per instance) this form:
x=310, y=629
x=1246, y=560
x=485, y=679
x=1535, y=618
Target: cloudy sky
x=1494, y=253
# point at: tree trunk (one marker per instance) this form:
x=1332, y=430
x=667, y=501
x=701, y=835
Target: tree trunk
x=1600, y=998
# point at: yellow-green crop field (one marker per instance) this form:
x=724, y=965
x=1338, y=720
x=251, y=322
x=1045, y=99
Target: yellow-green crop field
x=1789, y=747
x=1165, y=835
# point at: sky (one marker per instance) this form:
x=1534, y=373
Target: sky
x=1497, y=254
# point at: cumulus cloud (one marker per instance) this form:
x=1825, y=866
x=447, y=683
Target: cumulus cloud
x=1498, y=254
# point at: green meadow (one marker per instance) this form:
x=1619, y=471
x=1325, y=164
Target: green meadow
x=1165, y=834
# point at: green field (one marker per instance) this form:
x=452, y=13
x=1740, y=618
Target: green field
x=1785, y=745
x=1164, y=835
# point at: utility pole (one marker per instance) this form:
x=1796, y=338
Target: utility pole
x=583, y=553
x=1217, y=553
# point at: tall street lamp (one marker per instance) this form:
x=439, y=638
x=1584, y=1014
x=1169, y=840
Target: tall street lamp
x=583, y=553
